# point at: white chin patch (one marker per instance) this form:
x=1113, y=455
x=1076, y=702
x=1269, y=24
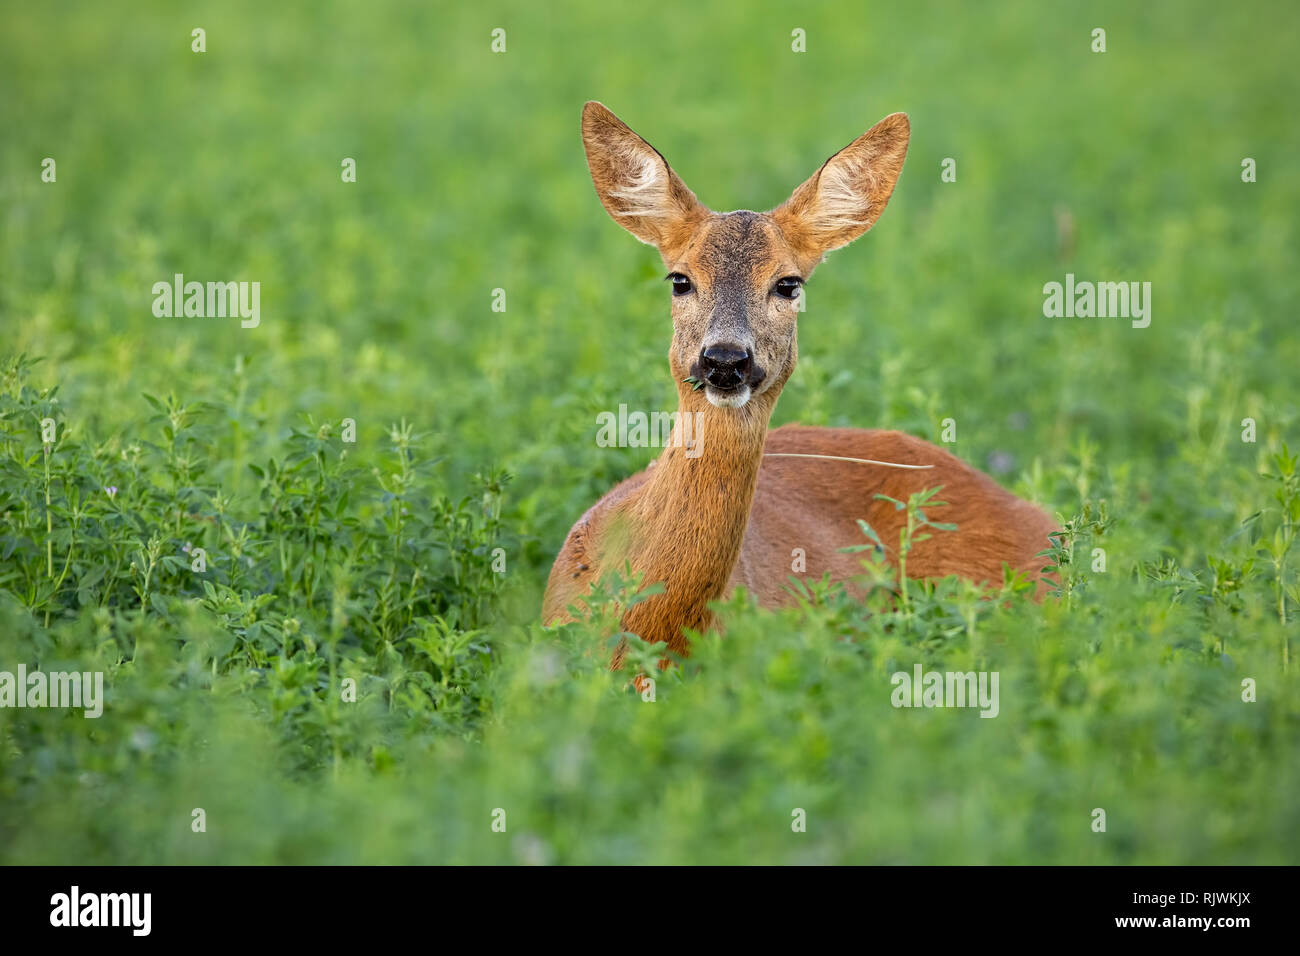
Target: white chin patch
x=735, y=398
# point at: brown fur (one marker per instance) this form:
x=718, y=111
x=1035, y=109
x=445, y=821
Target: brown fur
x=730, y=517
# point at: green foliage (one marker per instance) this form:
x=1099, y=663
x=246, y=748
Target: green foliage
x=320, y=572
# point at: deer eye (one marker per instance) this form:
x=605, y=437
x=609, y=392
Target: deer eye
x=788, y=288
x=681, y=284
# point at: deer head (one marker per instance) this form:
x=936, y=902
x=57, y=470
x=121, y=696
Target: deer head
x=736, y=277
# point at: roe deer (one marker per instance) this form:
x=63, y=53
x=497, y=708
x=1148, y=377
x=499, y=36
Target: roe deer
x=732, y=512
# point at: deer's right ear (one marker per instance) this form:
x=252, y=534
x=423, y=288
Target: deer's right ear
x=635, y=184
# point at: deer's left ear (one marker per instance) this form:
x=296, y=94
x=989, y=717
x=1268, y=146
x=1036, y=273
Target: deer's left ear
x=846, y=196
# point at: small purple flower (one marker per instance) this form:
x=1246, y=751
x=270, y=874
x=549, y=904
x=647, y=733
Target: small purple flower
x=186, y=549
x=1001, y=462
x=111, y=491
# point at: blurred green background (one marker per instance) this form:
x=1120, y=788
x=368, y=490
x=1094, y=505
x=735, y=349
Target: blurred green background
x=376, y=305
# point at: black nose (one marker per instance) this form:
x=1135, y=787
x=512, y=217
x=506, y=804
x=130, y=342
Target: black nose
x=726, y=366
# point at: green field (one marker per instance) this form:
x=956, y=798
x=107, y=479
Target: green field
x=329, y=561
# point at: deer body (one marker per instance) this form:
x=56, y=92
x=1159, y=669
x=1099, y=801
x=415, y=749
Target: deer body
x=735, y=510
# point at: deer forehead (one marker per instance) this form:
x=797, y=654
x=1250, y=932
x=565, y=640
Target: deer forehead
x=736, y=250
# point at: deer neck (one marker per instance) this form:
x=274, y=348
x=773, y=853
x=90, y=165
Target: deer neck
x=686, y=526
